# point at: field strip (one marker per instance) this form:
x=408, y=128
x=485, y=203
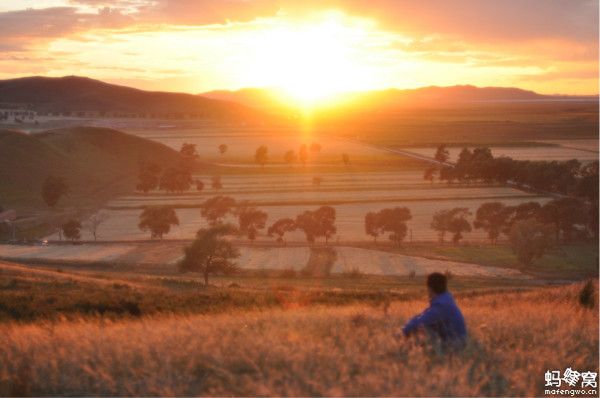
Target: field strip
x=396, y=151
x=300, y=189
x=28, y=271
x=341, y=202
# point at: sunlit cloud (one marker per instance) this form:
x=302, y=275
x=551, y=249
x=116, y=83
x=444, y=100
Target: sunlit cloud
x=312, y=49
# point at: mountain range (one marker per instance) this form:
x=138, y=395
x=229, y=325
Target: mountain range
x=73, y=93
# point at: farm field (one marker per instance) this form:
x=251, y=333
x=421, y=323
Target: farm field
x=287, y=195
x=163, y=257
x=584, y=151
x=242, y=144
x=298, y=347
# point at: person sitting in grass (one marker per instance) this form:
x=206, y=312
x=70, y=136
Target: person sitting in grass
x=442, y=319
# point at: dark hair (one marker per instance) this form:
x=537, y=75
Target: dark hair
x=437, y=282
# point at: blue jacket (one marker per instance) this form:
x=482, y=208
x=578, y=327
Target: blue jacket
x=443, y=318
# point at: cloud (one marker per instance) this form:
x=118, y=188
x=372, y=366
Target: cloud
x=19, y=29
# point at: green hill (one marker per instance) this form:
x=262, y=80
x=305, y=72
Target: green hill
x=97, y=164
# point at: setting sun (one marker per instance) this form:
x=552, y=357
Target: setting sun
x=313, y=61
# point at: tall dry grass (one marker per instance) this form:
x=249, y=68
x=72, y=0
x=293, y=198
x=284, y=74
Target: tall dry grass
x=515, y=338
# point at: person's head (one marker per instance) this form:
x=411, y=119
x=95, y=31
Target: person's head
x=436, y=284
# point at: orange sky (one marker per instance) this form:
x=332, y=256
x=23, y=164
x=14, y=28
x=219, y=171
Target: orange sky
x=314, y=50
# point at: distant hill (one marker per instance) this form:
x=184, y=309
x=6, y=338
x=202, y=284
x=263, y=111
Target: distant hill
x=97, y=163
x=394, y=98
x=72, y=93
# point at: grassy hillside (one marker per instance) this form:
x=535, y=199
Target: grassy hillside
x=96, y=163
x=277, y=342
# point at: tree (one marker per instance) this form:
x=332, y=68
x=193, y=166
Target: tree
x=326, y=218
x=189, y=155
x=317, y=223
x=53, y=189
x=440, y=223
x=158, y=220
x=373, y=225
x=176, y=179
x=199, y=185
x=492, y=217
x=458, y=224
x=251, y=220
x=209, y=253
x=448, y=174
x=316, y=181
x=72, y=230
x=453, y=221
x=216, y=183
x=429, y=174
x=315, y=147
x=223, y=149
x=522, y=211
x=529, y=240
x=303, y=154
x=564, y=214
x=94, y=222
x=441, y=154
x=216, y=208
x=394, y=221
x=262, y=155
x=290, y=157
x=346, y=159
x=280, y=227
x=148, y=177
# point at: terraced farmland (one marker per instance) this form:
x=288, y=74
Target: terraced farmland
x=352, y=195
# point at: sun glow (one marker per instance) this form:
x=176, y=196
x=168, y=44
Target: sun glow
x=314, y=62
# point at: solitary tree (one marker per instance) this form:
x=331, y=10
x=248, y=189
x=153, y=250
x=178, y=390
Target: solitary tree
x=458, y=224
x=290, y=157
x=223, y=149
x=492, y=217
x=53, y=189
x=72, y=230
x=216, y=208
x=210, y=253
x=251, y=220
x=441, y=154
x=94, y=222
x=189, y=155
x=316, y=181
x=530, y=239
x=280, y=227
x=158, y=220
x=315, y=147
x=262, y=155
x=440, y=223
x=199, y=185
x=148, y=177
x=453, y=221
x=346, y=159
x=429, y=174
x=303, y=154
x=216, y=183
x=394, y=221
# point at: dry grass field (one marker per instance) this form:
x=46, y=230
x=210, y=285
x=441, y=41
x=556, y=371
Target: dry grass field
x=515, y=337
